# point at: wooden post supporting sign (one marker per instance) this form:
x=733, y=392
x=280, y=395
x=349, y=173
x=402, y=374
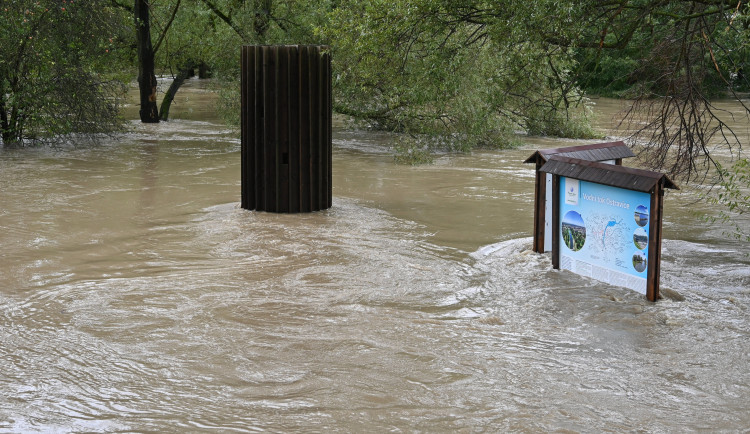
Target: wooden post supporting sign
x=610, y=152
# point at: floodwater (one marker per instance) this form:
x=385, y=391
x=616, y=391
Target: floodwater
x=135, y=295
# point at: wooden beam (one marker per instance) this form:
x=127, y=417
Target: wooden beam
x=555, y=222
x=654, y=243
x=538, y=243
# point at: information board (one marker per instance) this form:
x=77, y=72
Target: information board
x=604, y=233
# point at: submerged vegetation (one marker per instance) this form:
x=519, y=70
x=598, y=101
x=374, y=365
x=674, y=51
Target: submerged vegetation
x=489, y=69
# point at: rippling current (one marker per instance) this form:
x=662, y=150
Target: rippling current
x=135, y=295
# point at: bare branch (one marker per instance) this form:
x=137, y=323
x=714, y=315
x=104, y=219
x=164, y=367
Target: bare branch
x=228, y=20
x=166, y=28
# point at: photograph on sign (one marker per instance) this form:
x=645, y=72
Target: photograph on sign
x=604, y=232
x=640, y=238
x=641, y=215
x=639, y=262
x=573, y=231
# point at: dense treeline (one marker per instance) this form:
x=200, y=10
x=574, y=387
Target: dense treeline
x=65, y=63
x=479, y=68
x=449, y=73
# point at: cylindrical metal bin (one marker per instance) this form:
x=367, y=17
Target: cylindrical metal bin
x=286, y=128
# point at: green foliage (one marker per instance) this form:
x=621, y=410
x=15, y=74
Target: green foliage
x=561, y=123
x=609, y=73
x=229, y=104
x=732, y=57
x=733, y=195
x=687, y=53
x=629, y=47
x=471, y=70
x=53, y=69
x=409, y=150
x=450, y=74
x=196, y=36
x=252, y=22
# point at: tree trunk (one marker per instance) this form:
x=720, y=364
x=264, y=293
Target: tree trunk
x=146, y=75
x=262, y=19
x=182, y=75
x=4, y=127
x=204, y=71
x=11, y=126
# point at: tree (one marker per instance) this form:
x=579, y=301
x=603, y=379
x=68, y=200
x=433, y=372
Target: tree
x=270, y=21
x=237, y=22
x=470, y=72
x=147, y=84
x=473, y=67
x=187, y=33
x=468, y=69
x=146, y=49
x=686, y=52
x=197, y=41
x=53, y=69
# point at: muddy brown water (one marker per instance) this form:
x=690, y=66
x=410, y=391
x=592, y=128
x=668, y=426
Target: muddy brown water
x=135, y=295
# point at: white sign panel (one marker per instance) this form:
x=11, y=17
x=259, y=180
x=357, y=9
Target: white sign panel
x=604, y=233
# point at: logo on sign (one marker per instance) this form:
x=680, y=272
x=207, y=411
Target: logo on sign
x=571, y=191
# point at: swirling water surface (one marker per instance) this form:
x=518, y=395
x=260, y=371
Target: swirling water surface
x=135, y=295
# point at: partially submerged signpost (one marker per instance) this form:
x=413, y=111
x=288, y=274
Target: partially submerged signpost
x=611, y=153
x=606, y=221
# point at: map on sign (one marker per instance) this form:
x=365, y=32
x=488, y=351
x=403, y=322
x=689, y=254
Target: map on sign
x=604, y=233
x=610, y=237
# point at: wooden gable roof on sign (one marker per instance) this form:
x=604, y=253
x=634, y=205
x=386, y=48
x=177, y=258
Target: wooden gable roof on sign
x=607, y=174
x=594, y=152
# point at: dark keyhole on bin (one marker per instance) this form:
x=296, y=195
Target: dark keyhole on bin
x=284, y=158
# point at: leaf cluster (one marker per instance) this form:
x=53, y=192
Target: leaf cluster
x=733, y=195
x=475, y=70
x=53, y=74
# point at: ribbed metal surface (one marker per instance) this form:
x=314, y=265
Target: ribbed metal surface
x=286, y=128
